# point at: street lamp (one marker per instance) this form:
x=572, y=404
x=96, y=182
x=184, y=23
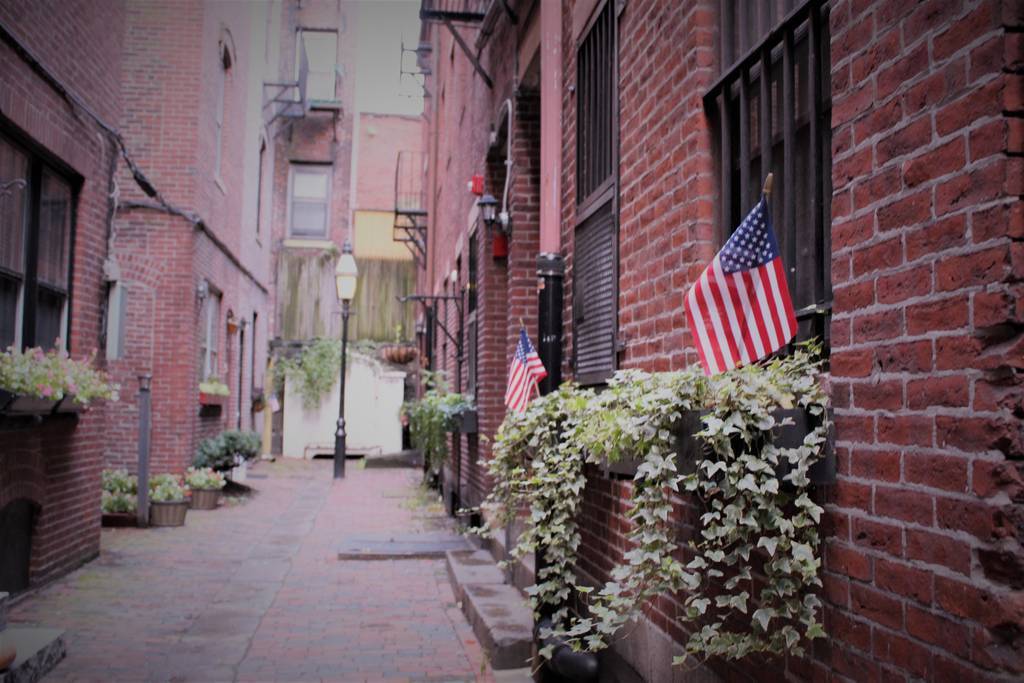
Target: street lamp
x=345, y=278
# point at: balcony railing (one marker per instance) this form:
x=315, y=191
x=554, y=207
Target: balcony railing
x=453, y=10
x=410, y=225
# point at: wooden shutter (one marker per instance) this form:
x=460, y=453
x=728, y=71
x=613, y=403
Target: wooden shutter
x=594, y=296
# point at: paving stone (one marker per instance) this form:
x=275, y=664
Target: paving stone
x=471, y=566
x=255, y=591
x=407, y=546
x=502, y=621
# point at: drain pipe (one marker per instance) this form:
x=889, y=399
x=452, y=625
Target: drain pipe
x=564, y=663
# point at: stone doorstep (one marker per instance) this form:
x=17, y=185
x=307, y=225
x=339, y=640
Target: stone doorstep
x=39, y=651
x=421, y=546
x=498, y=613
x=471, y=567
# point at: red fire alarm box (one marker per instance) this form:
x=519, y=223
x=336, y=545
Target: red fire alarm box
x=499, y=247
x=476, y=185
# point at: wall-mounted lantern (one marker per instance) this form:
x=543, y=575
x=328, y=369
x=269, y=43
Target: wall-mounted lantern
x=489, y=215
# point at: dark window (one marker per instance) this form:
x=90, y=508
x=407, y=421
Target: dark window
x=771, y=109
x=36, y=210
x=259, y=186
x=595, y=255
x=471, y=325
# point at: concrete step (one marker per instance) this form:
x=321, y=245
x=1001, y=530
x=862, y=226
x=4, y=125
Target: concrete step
x=502, y=622
x=471, y=567
x=39, y=651
x=401, y=547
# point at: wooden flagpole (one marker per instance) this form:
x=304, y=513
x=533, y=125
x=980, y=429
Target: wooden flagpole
x=769, y=180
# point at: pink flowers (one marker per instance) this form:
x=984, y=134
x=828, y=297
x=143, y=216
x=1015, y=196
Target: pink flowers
x=53, y=375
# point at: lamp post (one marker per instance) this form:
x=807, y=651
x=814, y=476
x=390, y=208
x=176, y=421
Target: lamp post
x=345, y=278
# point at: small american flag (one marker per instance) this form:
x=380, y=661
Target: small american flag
x=526, y=372
x=739, y=309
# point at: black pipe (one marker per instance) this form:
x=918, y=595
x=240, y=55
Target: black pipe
x=565, y=663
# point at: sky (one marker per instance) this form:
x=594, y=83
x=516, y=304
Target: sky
x=381, y=26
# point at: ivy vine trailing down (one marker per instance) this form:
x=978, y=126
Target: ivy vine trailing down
x=432, y=416
x=752, y=523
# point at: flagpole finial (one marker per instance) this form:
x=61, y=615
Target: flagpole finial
x=521, y=324
x=769, y=180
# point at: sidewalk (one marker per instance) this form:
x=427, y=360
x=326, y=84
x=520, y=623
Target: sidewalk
x=255, y=592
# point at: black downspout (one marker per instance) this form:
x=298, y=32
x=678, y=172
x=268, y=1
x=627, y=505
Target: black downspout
x=565, y=664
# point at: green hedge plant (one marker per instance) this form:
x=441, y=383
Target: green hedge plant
x=432, y=416
x=221, y=453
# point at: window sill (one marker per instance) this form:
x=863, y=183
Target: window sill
x=308, y=243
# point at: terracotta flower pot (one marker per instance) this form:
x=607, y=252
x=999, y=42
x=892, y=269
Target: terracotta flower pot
x=168, y=514
x=205, y=499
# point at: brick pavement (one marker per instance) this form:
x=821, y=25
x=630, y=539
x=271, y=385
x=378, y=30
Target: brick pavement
x=255, y=592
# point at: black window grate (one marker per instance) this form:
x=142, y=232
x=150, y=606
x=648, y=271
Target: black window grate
x=596, y=100
x=770, y=109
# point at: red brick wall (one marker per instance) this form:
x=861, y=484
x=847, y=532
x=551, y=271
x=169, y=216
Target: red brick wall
x=171, y=70
x=922, y=559
x=381, y=138
x=57, y=465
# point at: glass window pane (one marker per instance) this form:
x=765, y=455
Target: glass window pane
x=321, y=52
x=10, y=296
x=13, y=206
x=309, y=218
x=54, y=231
x=309, y=185
x=320, y=86
x=49, y=318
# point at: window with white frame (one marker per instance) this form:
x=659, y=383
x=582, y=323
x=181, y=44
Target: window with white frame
x=321, y=51
x=309, y=200
x=209, y=337
x=36, y=210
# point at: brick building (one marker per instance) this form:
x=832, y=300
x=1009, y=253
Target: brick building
x=59, y=108
x=893, y=131
x=193, y=264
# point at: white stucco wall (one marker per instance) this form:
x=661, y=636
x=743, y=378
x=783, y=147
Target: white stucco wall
x=373, y=398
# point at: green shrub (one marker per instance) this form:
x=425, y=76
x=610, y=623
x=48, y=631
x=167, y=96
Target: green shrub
x=166, y=488
x=220, y=452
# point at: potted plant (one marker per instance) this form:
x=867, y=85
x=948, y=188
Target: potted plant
x=213, y=392
x=205, y=484
x=37, y=382
x=167, y=503
x=119, y=500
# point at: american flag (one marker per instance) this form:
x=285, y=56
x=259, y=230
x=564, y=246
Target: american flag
x=526, y=372
x=739, y=309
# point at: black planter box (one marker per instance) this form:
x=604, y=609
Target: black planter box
x=465, y=422
x=688, y=450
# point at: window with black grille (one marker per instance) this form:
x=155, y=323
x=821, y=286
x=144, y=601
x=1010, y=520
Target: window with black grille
x=471, y=308
x=595, y=254
x=770, y=110
x=36, y=215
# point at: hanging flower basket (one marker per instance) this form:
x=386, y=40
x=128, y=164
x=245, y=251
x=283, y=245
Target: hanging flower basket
x=400, y=354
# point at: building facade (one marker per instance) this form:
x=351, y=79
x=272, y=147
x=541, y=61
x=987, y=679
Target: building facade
x=892, y=131
x=59, y=109
x=192, y=260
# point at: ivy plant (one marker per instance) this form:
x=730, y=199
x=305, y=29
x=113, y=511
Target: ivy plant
x=315, y=370
x=752, y=523
x=432, y=416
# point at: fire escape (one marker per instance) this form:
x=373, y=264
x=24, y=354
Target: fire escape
x=410, y=226
x=465, y=12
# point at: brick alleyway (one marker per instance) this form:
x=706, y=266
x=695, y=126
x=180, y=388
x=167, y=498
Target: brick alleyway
x=255, y=592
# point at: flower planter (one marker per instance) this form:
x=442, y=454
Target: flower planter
x=68, y=405
x=205, y=499
x=171, y=513
x=120, y=519
x=212, y=399
x=15, y=404
x=400, y=354
x=466, y=422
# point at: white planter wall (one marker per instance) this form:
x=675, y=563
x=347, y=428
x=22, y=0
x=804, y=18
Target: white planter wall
x=373, y=398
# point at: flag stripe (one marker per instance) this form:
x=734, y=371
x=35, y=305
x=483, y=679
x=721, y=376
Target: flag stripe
x=711, y=317
x=722, y=315
x=726, y=290
x=700, y=334
x=756, y=331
